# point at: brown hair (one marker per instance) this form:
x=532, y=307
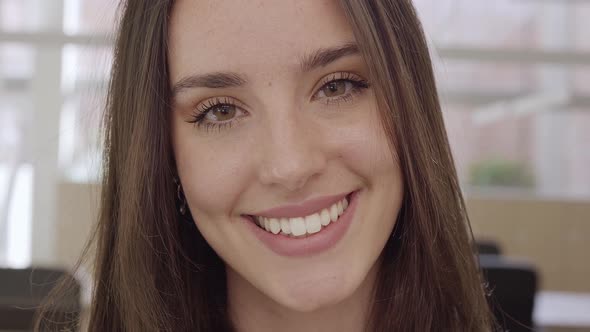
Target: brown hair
x=156, y=273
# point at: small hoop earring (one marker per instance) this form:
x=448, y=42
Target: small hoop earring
x=180, y=196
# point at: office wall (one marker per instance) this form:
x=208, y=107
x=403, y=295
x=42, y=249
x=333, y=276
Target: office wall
x=76, y=216
x=552, y=234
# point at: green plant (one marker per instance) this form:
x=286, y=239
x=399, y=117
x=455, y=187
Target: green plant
x=501, y=173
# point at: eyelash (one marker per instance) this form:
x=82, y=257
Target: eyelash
x=201, y=111
x=358, y=86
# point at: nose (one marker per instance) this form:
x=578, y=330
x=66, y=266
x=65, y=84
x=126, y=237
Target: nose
x=292, y=153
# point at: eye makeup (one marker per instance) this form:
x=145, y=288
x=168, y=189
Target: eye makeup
x=220, y=113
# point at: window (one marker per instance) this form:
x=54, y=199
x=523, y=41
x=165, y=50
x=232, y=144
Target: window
x=54, y=61
x=513, y=80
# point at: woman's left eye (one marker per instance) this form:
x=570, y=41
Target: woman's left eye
x=336, y=88
x=340, y=87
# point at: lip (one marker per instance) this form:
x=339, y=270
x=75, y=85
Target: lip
x=312, y=244
x=302, y=209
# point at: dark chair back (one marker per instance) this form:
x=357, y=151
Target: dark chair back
x=23, y=290
x=488, y=247
x=513, y=286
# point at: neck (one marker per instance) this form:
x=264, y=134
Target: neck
x=250, y=310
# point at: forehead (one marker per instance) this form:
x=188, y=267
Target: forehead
x=251, y=36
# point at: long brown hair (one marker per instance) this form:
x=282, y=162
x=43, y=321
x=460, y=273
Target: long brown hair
x=154, y=272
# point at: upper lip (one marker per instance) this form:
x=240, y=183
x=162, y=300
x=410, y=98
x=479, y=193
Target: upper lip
x=302, y=209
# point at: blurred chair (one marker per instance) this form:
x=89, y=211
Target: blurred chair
x=512, y=285
x=22, y=291
x=488, y=247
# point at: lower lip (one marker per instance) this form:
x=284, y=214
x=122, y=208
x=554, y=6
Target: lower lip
x=313, y=244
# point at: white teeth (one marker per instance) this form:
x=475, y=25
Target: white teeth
x=275, y=226
x=325, y=217
x=298, y=226
x=267, y=224
x=312, y=223
x=285, y=226
x=334, y=212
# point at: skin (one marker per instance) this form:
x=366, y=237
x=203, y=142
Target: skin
x=288, y=142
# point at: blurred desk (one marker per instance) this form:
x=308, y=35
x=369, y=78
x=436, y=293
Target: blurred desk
x=567, y=310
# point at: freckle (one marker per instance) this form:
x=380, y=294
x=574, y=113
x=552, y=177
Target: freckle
x=269, y=83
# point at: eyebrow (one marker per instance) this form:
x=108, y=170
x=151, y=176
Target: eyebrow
x=217, y=80
x=324, y=56
x=220, y=80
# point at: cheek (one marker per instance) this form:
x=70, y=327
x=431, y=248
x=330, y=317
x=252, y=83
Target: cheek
x=368, y=154
x=211, y=172
x=365, y=149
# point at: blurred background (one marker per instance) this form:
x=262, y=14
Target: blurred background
x=514, y=78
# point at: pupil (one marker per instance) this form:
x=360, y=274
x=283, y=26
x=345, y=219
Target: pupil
x=224, y=112
x=335, y=88
x=225, y=109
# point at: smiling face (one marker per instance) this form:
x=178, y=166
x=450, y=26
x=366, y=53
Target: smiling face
x=274, y=121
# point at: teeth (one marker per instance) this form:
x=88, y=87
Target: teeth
x=312, y=223
x=298, y=227
x=325, y=217
x=285, y=226
x=267, y=224
x=275, y=226
x=334, y=212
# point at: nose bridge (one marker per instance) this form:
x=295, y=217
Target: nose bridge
x=292, y=150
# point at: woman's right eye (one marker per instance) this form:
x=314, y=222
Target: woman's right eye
x=220, y=113
x=217, y=113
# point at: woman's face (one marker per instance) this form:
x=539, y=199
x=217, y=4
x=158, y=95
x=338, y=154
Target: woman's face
x=275, y=122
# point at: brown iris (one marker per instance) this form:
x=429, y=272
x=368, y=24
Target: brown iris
x=335, y=88
x=222, y=113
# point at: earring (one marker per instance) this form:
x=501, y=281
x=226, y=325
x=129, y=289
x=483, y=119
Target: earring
x=180, y=196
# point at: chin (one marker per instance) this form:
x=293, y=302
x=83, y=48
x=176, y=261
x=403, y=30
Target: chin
x=310, y=302
x=314, y=295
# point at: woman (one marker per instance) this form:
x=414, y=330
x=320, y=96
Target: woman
x=279, y=166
